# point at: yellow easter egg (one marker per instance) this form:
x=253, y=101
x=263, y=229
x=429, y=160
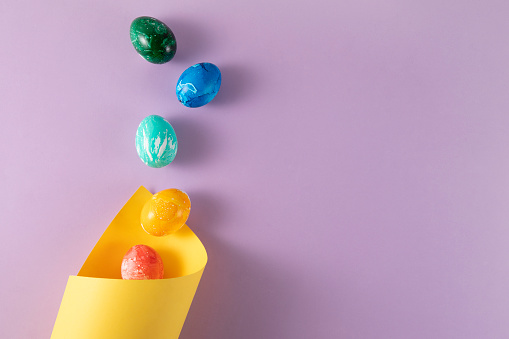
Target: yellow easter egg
x=166, y=212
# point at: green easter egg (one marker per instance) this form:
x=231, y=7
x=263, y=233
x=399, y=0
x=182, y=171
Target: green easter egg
x=153, y=40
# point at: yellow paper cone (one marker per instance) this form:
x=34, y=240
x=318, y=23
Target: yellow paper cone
x=99, y=304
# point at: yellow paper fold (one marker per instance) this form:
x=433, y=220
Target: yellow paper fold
x=99, y=304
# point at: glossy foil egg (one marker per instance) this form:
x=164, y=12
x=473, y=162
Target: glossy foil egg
x=166, y=212
x=142, y=262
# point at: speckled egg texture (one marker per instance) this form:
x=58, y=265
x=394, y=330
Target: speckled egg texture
x=142, y=262
x=166, y=212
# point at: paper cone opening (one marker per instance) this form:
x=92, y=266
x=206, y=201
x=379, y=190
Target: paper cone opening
x=99, y=304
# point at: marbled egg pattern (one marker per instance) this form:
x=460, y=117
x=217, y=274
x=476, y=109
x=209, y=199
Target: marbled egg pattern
x=198, y=84
x=156, y=141
x=153, y=40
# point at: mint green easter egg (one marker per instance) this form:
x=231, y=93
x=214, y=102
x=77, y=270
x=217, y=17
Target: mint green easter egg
x=156, y=141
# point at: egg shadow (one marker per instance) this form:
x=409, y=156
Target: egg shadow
x=175, y=258
x=241, y=295
x=208, y=211
x=195, y=142
x=192, y=41
x=236, y=82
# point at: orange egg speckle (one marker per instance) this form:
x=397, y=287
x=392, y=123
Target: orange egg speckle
x=166, y=212
x=142, y=262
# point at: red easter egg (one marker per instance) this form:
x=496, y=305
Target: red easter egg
x=142, y=262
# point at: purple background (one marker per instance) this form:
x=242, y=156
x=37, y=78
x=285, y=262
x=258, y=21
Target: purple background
x=350, y=180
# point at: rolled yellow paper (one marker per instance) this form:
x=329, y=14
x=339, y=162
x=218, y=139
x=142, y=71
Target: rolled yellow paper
x=99, y=304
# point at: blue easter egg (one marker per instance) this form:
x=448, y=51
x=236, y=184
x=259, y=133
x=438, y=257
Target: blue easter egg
x=198, y=84
x=156, y=141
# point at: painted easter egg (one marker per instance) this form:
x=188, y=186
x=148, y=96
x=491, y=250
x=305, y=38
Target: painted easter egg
x=156, y=141
x=153, y=40
x=198, y=84
x=142, y=262
x=165, y=212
